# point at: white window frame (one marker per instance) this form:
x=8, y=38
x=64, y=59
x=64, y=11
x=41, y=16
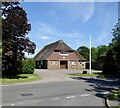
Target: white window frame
x=63, y=54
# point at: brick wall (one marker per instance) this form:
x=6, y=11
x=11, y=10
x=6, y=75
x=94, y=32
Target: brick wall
x=53, y=64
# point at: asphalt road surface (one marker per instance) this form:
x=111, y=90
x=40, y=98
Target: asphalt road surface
x=74, y=92
x=67, y=93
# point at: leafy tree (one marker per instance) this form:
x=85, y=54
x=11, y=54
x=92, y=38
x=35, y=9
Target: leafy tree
x=15, y=27
x=94, y=53
x=116, y=43
x=110, y=66
x=102, y=49
x=116, y=34
x=112, y=61
x=84, y=51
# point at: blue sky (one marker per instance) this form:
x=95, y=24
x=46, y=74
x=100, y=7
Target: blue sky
x=71, y=22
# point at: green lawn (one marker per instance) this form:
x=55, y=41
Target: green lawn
x=20, y=78
x=116, y=107
x=85, y=75
x=99, y=75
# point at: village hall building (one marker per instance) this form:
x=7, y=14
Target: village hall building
x=59, y=55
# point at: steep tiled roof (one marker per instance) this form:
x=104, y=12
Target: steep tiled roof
x=48, y=49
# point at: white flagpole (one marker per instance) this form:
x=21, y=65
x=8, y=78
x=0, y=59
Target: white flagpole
x=90, y=54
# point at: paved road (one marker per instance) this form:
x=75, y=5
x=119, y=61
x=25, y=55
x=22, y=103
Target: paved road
x=58, y=90
x=67, y=93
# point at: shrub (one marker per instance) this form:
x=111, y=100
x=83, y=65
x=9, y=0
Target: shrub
x=114, y=95
x=27, y=67
x=110, y=66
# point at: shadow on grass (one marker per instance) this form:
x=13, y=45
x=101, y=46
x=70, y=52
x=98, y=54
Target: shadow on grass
x=14, y=77
x=100, y=86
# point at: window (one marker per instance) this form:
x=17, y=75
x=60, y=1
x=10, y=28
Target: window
x=51, y=62
x=41, y=62
x=56, y=63
x=73, y=63
x=64, y=53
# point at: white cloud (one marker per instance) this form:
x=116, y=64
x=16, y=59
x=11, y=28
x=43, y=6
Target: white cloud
x=89, y=11
x=70, y=35
x=47, y=32
x=45, y=29
x=82, y=11
x=45, y=38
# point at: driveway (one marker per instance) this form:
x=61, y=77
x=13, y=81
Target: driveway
x=57, y=75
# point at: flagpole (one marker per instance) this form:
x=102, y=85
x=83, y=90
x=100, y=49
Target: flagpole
x=90, y=55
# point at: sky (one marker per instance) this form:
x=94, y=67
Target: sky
x=72, y=22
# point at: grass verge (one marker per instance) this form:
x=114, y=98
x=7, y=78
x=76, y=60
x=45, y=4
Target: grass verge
x=84, y=75
x=98, y=75
x=116, y=107
x=19, y=78
x=115, y=95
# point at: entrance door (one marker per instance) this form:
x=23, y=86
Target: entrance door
x=63, y=64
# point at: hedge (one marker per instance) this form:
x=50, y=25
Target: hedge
x=26, y=66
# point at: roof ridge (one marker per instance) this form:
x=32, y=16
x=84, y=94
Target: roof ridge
x=45, y=48
x=61, y=41
x=46, y=51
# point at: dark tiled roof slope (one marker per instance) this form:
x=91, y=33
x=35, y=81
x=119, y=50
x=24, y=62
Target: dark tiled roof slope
x=48, y=49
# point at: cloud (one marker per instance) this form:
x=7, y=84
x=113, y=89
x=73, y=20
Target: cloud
x=45, y=28
x=45, y=38
x=78, y=10
x=70, y=35
x=47, y=32
x=90, y=11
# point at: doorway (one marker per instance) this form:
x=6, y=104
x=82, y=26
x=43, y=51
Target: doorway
x=63, y=64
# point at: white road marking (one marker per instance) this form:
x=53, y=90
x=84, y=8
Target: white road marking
x=70, y=97
x=85, y=95
x=12, y=104
x=55, y=99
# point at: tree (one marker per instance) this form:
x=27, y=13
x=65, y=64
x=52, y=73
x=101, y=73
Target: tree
x=94, y=54
x=110, y=66
x=112, y=61
x=15, y=27
x=84, y=51
x=116, y=43
x=116, y=34
x=102, y=49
